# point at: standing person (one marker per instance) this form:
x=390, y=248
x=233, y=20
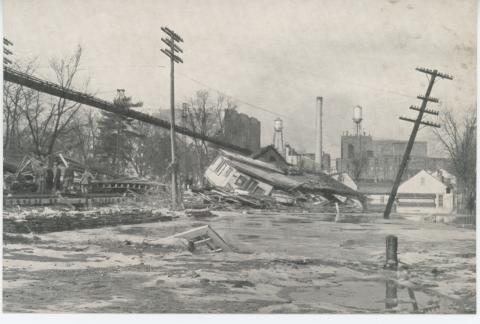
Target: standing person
x=189, y=182
x=57, y=173
x=36, y=173
x=39, y=172
x=85, y=181
x=68, y=178
x=48, y=179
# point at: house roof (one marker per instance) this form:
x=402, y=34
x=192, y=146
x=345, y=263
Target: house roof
x=250, y=161
x=423, y=172
x=324, y=182
x=265, y=149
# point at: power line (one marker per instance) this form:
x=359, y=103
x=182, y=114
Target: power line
x=236, y=99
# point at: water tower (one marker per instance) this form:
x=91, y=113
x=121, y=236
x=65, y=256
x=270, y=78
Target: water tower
x=357, y=118
x=278, y=136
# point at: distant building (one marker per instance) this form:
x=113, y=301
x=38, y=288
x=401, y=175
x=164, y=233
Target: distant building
x=366, y=159
x=241, y=130
x=238, y=128
x=306, y=161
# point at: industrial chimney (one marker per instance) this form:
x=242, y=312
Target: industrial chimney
x=318, y=132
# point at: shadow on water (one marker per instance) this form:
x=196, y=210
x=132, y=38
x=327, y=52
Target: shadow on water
x=393, y=303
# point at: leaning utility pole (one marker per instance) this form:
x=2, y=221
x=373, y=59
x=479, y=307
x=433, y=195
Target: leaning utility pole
x=170, y=52
x=417, y=122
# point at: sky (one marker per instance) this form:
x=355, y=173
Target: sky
x=274, y=57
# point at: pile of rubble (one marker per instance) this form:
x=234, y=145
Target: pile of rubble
x=54, y=220
x=217, y=199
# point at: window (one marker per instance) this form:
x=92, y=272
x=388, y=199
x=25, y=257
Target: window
x=229, y=170
x=448, y=190
x=259, y=191
x=422, y=181
x=241, y=180
x=351, y=151
x=252, y=185
x=219, y=167
x=440, y=200
x=370, y=154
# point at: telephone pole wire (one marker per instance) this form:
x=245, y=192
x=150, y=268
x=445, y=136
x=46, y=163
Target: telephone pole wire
x=170, y=51
x=417, y=122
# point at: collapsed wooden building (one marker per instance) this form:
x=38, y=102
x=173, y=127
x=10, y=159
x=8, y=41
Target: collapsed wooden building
x=232, y=172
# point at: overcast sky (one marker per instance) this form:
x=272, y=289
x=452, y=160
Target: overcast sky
x=276, y=54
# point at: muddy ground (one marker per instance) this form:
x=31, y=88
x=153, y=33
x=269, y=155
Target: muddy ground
x=282, y=264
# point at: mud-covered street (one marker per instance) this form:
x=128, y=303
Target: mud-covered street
x=282, y=264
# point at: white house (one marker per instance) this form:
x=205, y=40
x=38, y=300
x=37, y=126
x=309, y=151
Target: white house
x=225, y=173
x=425, y=193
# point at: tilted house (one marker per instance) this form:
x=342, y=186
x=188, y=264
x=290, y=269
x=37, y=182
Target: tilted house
x=232, y=172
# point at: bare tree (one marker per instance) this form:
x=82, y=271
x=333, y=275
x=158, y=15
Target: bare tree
x=205, y=116
x=459, y=138
x=49, y=118
x=13, y=104
x=80, y=142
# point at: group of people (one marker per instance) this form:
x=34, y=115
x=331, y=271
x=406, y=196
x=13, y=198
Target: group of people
x=58, y=179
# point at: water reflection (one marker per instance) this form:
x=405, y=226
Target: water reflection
x=392, y=301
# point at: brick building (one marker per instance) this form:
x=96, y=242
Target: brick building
x=242, y=130
x=369, y=160
x=239, y=129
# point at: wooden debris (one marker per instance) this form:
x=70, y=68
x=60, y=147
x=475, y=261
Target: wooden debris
x=202, y=236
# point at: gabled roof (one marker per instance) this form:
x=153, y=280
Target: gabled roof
x=265, y=149
x=425, y=173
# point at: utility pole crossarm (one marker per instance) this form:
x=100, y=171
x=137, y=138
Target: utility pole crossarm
x=428, y=98
x=438, y=74
x=172, y=34
x=6, y=51
x=169, y=43
x=427, y=111
x=169, y=53
x=423, y=122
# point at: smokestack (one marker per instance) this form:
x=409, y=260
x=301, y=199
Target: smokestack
x=318, y=132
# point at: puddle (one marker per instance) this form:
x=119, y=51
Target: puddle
x=367, y=296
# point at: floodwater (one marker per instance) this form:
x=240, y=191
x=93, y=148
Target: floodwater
x=282, y=264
